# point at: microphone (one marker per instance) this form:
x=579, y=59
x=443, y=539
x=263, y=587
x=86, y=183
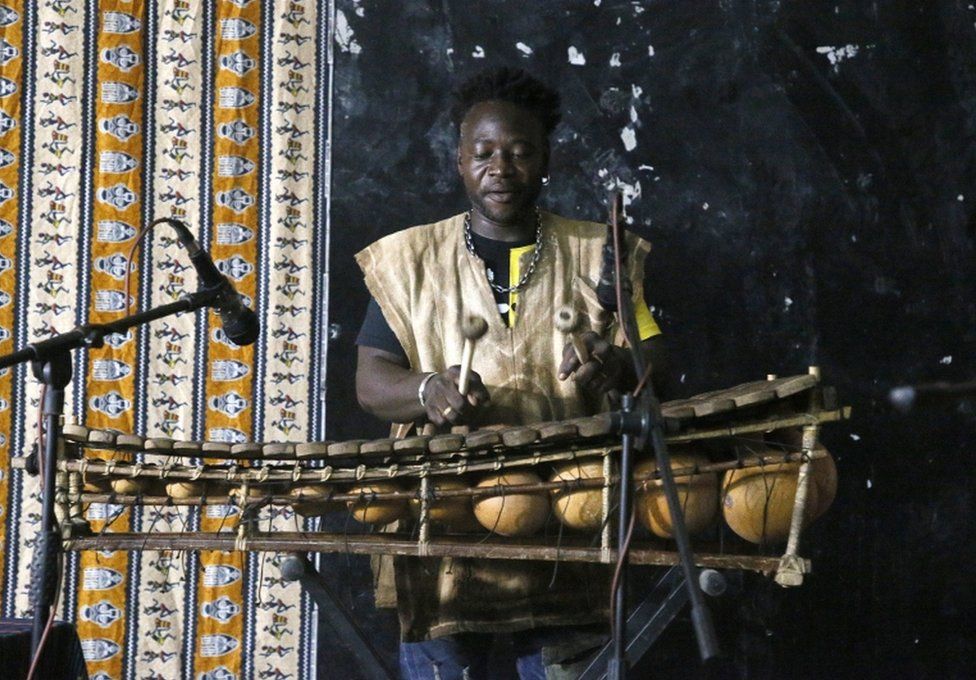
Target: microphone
x=906, y=397
x=239, y=321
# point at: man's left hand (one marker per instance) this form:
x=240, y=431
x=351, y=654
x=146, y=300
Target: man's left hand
x=602, y=370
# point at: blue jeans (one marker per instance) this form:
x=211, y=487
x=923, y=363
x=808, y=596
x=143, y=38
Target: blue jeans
x=563, y=651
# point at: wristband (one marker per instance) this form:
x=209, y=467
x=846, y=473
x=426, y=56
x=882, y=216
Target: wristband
x=423, y=386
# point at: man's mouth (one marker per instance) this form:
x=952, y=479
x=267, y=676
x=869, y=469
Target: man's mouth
x=502, y=196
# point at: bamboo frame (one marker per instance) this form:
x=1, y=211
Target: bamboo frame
x=297, y=473
x=421, y=493
x=387, y=463
x=493, y=547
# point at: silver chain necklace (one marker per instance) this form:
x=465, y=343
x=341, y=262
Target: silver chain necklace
x=536, y=255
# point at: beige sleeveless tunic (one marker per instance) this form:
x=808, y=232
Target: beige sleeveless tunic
x=425, y=281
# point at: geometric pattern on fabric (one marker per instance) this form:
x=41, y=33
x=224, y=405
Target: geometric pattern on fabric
x=114, y=113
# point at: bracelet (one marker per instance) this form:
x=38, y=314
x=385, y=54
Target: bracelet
x=423, y=386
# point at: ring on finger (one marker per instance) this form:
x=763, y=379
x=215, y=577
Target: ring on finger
x=447, y=412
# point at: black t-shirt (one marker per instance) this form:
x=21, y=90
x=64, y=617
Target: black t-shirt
x=376, y=332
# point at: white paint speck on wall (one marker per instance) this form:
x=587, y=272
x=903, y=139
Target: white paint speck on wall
x=479, y=52
x=344, y=35
x=629, y=138
x=615, y=59
x=835, y=55
x=523, y=48
x=650, y=50
x=576, y=58
x=630, y=192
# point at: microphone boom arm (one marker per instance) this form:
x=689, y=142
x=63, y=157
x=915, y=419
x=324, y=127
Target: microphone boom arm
x=51, y=363
x=93, y=335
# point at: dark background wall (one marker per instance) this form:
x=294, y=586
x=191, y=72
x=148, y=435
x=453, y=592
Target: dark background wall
x=806, y=174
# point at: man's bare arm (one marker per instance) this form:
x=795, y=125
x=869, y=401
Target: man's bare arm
x=387, y=388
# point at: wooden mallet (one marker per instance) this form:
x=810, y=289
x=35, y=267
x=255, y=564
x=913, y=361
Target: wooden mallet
x=567, y=321
x=472, y=328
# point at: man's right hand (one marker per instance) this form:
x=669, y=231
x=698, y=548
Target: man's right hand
x=387, y=387
x=446, y=406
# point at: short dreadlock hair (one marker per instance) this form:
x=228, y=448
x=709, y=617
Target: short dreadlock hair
x=510, y=85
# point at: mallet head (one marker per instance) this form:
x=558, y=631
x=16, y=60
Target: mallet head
x=567, y=319
x=473, y=327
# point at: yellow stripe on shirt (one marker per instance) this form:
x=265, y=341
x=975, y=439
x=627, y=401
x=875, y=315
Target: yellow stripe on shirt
x=646, y=325
x=514, y=274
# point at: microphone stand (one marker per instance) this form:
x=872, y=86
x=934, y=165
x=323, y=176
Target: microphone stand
x=643, y=422
x=51, y=364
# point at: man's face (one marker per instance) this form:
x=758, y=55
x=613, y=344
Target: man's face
x=502, y=157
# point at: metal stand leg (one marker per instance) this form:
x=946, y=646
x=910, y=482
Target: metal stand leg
x=617, y=663
x=55, y=373
x=298, y=568
x=646, y=622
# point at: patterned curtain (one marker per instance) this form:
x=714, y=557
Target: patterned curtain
x=114, y=113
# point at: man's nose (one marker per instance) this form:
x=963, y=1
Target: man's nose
x=501, y=164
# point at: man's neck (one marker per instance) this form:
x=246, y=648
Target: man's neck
x=519, y=231
x=485, y=241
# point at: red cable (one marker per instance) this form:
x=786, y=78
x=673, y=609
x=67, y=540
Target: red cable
x=622, y=549
x=40, y=645
x=48, y=625
x=616, y=572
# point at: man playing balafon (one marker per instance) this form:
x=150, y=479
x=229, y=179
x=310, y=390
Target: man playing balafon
x=515, y=266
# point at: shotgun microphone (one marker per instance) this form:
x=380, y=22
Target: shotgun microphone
x=907, y=397
x=606, y=287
